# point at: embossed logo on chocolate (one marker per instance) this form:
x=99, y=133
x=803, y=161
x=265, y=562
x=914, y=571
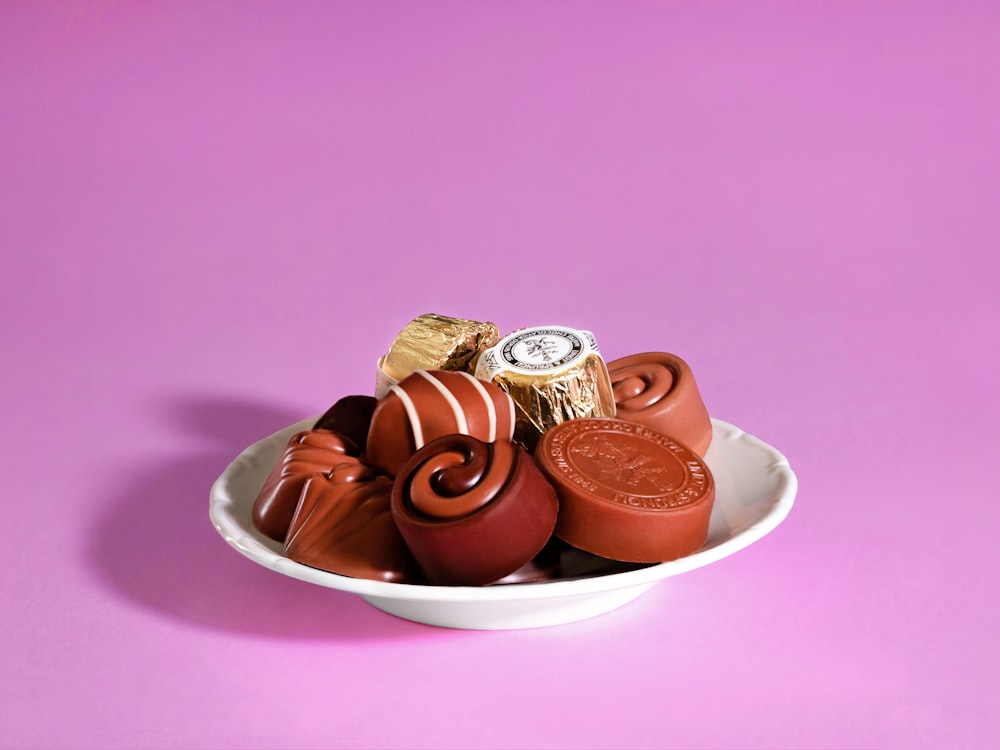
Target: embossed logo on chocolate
x=542, y=348
x=628, y=464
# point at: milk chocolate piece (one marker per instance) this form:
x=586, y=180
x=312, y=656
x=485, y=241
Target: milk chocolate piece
x=429, y=404
x=308, y=452
x=343, y=524
x=351, y=417
x=657, y=389
x=472, y=512
x=553, y=373
x=437, y=342
x=626, y=492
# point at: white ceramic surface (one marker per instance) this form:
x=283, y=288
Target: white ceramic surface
x=755, y=489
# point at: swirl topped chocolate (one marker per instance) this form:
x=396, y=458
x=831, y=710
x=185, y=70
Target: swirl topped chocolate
x=658, y=390
x=487, y=460
x=472, y=512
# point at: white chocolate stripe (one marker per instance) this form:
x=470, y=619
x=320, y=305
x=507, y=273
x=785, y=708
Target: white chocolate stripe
x=456, y=408
x=490, y=408
x=513, y=416
x=411, y=412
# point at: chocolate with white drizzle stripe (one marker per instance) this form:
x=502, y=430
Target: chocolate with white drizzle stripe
x=429, y=404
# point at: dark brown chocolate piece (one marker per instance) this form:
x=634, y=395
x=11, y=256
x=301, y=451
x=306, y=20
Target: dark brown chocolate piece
x=657, y=389
x=351, y=417
x=626, y=492
x=343, y=524
x=472, y=512
x=308, y=452
x=547, y=565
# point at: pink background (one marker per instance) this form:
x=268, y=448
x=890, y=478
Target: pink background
x=215, y=216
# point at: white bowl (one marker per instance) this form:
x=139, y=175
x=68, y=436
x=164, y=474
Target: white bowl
x=755, y=489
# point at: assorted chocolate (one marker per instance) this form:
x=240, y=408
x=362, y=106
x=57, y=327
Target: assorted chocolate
x=350, y=417
x=553, y=374
x=484, y=459
x=473, y=512
x=434, y=342
x=429, y=404
x=344, y=524
x=657, y=389
x=306, y=454
x=625, y=491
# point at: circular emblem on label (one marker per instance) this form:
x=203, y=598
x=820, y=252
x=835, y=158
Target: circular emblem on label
x=542, y=348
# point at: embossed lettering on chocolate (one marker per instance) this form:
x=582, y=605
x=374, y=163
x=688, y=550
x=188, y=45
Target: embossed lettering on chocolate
x=627, y=492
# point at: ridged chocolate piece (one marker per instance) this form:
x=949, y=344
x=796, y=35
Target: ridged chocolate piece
x=306, y=453
x=343, y=524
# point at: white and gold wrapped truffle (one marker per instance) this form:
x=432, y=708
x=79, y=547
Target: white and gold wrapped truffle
x=553, y=374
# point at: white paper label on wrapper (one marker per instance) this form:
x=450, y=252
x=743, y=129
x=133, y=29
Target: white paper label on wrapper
x=536, y=350
x=383, y=382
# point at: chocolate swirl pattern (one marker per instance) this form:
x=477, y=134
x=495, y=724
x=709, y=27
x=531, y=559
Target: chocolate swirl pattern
x=308, y=452
x=430, y=404
x=472, y=512
x=658, y=390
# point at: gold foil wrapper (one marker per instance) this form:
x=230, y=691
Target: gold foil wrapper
x=437, y=342
x=553, y=374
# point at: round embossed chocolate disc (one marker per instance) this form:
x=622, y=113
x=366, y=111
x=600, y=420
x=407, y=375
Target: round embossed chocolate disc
x=626, y=492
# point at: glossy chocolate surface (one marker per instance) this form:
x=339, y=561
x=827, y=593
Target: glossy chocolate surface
x=430, y=404
x=306, y=453
x=473, y=512
x=351, y=417
x=626, y=492
x=658, y=390
x=343, y=524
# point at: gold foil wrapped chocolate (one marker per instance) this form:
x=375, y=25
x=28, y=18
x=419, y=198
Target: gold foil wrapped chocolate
x=434, y=342
x=553, y=374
